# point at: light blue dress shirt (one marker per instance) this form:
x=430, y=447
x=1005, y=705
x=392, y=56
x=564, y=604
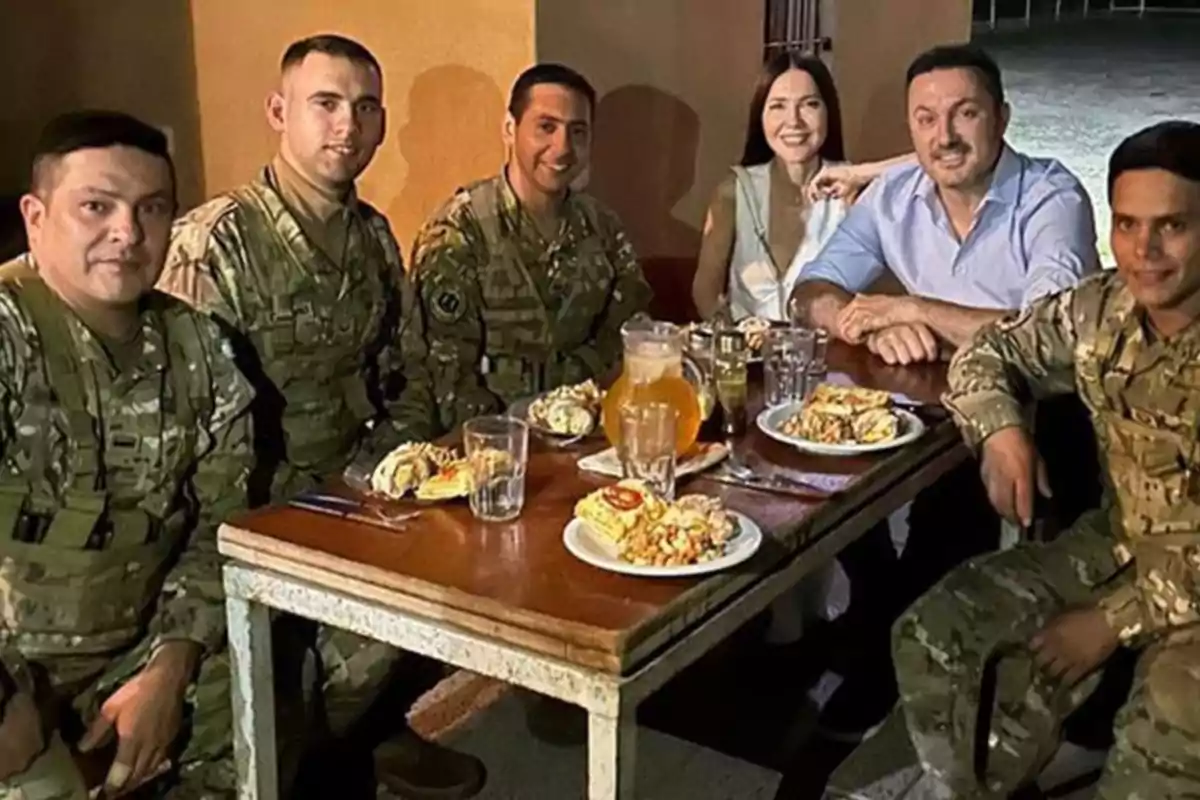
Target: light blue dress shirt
x=1033, y=235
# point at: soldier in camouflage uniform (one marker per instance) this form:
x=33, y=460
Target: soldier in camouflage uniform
x=991, y=661
x=310, y=282
x=124, y=440
x=525, y=284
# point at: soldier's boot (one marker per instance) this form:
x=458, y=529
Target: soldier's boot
x=417, y=769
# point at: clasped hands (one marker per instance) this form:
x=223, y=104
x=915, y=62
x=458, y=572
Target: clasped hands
x=890, y=327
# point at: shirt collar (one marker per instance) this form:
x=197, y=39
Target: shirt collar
x=307, y=200
x=518, y=219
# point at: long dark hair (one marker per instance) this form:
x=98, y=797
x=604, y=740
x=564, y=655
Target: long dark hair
x=757, y=150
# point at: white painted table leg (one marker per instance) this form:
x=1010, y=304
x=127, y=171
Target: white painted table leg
x=253, y=699
x=612, y=748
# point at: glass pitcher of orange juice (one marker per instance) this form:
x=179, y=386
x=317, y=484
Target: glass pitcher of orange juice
x=656, y=369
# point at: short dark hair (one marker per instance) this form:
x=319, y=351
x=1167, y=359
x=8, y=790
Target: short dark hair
x=757, y=151
x=88, y=129
x=1173, y=146
x=331, y=44
x=556, y=74
x=960, y=56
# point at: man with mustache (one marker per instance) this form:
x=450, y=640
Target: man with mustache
x=973, y=232
x=526, y=283
x=125, y=439
x=1045, y=618
x=310, y=281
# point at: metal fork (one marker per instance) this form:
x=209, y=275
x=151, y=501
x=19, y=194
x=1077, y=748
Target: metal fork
x=744, y=471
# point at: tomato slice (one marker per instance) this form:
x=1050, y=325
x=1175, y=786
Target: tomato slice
x=622, y=498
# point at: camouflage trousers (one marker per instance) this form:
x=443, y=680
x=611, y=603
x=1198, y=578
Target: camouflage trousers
x=977, y=620
x=70, y=691
x=355, y=672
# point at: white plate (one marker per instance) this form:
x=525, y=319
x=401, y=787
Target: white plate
x=594, y=549
x=770, y=420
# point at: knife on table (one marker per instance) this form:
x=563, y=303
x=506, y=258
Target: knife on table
x=776, y=485
x=344, y=508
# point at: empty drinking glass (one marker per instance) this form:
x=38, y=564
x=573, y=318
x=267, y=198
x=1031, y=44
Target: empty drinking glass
x=648, y=445
x=786, y=356
x=497, y=449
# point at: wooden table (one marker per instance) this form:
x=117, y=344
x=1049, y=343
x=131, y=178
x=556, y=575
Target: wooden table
x=509, y=601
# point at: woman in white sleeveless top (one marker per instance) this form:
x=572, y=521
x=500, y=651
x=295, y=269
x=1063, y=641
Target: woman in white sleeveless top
x=770, y=217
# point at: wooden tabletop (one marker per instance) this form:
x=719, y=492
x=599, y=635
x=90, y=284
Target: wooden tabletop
x=518, y=583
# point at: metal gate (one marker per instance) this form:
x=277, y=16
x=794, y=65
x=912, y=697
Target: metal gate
x=794, y=25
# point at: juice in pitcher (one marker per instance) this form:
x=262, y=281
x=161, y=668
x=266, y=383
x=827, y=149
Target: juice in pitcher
x=655, y=369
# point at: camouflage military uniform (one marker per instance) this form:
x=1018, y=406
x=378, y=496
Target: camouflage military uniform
x=1137, y=558
x=331, y=348
x=511, y=314
x=114, y=474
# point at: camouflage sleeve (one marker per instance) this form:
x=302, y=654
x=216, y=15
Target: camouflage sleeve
x=1031, y=354
x=446, y=259
x=192, y=604
x=204, y=259
x=630, y=295
x=403, y=363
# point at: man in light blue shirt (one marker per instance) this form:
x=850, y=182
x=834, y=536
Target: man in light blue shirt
x=973, y=232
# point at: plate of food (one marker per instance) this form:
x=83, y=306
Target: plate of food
x=626, y=528
x=427, y=472
x=842, y=421
x=566, y=412
x=754, y=328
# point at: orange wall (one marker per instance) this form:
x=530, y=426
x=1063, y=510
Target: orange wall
x=873, y=43
x=134, y=56
x=674, y=79
x=448, y=66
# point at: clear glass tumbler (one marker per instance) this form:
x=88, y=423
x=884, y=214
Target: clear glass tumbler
x=497, y=449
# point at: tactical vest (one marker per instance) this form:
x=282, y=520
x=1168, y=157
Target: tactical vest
x=82, y=563
x=1153, y=469
x=523, y=343
x=313, y=349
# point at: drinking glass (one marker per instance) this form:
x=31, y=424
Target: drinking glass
x=787, y=353
x=817, y=366
x=497, y=449
x=648, y=445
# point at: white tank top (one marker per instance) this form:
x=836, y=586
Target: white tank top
x=755, y=288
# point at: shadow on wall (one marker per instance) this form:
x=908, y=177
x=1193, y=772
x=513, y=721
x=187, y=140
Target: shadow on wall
x=134, y=56
x=644, y=163
x=12, y=228
x=449, y=103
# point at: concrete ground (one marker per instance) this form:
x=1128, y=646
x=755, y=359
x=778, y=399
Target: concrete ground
x=1078, y=88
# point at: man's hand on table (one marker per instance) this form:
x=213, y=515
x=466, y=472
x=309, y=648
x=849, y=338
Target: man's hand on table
x=145, y=714
x=1073, y=644
x=869, y=313
x=21, y=736
x=1013, y=473
x=904, y=344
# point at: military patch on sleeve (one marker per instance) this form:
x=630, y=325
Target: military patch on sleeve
x=448, y=304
